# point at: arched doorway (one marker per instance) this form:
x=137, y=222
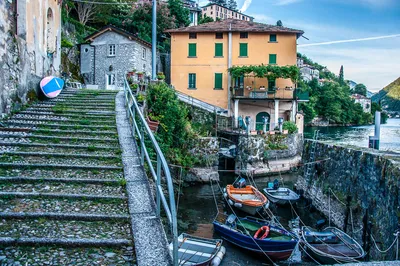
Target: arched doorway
x=50, y=34
x=260, y=120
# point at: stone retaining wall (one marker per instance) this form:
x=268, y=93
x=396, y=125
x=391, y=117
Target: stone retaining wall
x=370, y=178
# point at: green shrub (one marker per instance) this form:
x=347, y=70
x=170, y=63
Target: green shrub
x=290, y=126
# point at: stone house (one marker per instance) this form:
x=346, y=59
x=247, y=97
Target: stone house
x=364, y=101
x=109, y=54
x=307, y=72
x=201, y=56
x=30, y=47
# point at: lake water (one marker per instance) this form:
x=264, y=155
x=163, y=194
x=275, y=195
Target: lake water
x=198, y=208
x=358, y=136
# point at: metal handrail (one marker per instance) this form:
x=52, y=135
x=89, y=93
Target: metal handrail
x=170, y=209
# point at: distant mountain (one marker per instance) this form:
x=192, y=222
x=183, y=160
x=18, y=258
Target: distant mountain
x=370, y=94
x=389, y=97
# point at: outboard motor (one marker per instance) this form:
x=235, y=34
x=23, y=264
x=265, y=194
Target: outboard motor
x=276, y=184
x=231, y=220
x=241, y=183
x=320, y=223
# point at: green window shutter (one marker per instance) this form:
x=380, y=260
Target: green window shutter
x=219, y=49
x=272, y=37
x=218, y=81
x=272, y=58
x=192, y=49
x=192, y=81
x=243, y=49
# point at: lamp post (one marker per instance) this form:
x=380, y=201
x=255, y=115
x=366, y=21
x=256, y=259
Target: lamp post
x=154, y=43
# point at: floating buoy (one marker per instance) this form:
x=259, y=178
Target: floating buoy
x=238, y=205
x=225, y=195
x=218, y=258
x=230, y=201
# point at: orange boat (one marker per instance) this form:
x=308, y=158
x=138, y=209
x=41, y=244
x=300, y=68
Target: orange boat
x=248, y=199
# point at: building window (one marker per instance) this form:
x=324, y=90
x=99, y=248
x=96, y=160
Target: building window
x=192, y=50
x=111, y=50
x=243, y=50
x=272, y=37
x=244, y=35
x=271, y=84
x=217, y=14
x=272, y=59
x=192, y=81
x=219, y=35
x=218, y=81
x=143, y=53
x=219, y=50
x=192, y=35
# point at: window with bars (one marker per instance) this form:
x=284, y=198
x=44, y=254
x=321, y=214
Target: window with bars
x=218, y=81
x=192, y=50
x=219, y=35
x=111, y=50
x=143, y=53
x=192, y=35
x=219, y=50
x=192, y=81
x=272, y=37
x=244, y=35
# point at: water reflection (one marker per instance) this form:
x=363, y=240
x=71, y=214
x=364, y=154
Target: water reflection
x=358, y=136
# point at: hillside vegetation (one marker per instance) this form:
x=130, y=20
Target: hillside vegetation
x=389, y=97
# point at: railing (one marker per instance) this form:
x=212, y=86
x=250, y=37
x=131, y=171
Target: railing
x=200, y=104
x=302, y=96
x=136, y=118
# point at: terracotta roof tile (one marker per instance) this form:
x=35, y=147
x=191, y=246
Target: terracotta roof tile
x=235, y=25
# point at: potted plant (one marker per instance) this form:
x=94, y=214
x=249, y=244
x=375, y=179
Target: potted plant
x=134, y=86
x=132, y=72
x=153, y=121
x=140, y=98
x=140, y=75
x=160, y=76
x=130, y=80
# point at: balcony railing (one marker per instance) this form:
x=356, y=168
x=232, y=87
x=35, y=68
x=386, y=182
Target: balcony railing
x=286, y=93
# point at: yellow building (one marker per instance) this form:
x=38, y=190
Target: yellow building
x=201, y=56
x=215, y=12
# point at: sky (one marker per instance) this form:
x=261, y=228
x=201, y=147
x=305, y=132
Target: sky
x=374, y=62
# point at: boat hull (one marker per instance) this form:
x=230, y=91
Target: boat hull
x=276, y=250
x=51, y=86
x=281, y=200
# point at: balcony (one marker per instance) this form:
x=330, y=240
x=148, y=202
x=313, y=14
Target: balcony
x=272, y=94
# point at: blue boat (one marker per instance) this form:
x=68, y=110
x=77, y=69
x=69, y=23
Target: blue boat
x=258, y=236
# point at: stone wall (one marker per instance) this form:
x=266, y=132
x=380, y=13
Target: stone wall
x=363, y=179
x=261, y=151
x=17, y=64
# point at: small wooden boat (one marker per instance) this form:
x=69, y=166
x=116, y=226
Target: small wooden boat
x=247, y=198
x=280, y=195
x=249, y=233
x=331, y=246
x=197, y=251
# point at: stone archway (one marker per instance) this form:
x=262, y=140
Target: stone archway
x=260, y=120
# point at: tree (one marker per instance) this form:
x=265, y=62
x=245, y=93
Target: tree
x=85, y=12
x=341, y=76
x=232, y=5
x=180, y=13
x=205, y=19
x=279, y=23
x=219, y=2
x=360, y=89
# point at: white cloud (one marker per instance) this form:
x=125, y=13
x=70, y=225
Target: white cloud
x=351, y=40
x=246, y=5
x=286, y=2
x=263, y=18
x=203, y=2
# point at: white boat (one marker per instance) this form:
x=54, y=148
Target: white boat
x=280, y=195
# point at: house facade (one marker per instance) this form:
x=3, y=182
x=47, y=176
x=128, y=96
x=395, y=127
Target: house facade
x=109, y=54
x=307, y=72
x=30, y=37
x=364, y=101
x=215, y=12
x=201, y=56
x=194, y=11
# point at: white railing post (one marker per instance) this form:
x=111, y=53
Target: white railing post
x=158, y=183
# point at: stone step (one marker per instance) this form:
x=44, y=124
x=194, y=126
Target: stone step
x=91, y=151
x=31, y=166
x=84, y=112
x=59, y=196
x=73, y=101
x=60, y=205
x=59, y=229
x=70, y=180
x=63, y=155
x=98, y=189
x=52, y=134
x=30, y=137
x=58, y=131
x=67, y=104
x=57, y=119
x=47, y=255
x=35, y=124
x=63, y=242
x=90, y=148
x=85, y=97
x=64, y=173
x=63, y=216
x=81, y=116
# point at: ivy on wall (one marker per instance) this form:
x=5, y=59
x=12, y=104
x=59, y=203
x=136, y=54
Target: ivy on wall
x=271, y=72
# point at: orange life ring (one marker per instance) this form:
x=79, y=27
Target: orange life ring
x=262, y=232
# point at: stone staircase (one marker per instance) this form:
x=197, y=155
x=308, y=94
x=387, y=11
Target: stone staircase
x=63, y=199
